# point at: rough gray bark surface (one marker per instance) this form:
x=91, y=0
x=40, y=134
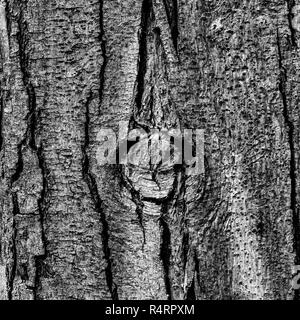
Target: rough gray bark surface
x=72, y=229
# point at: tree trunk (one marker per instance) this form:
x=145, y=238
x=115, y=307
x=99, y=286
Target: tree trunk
x=73, y=229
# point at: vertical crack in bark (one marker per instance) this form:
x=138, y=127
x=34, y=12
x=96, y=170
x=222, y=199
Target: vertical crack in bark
x=31, y=118
x=185, y=248
x=13, y=268
x=19, y=166
x=291, y=5
x=104, y=55
x=142, y=63
x=92, y=185
x=41, y=206
x=190, y=291
x=165, y=252
x=191, y=294
x=290, y=132
x=166, y=246
x=24, y=66
x=1, y=119
x=185, y=239
x=171, y=7
x=197, y=272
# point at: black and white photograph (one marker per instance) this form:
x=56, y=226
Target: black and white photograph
x=150, y=151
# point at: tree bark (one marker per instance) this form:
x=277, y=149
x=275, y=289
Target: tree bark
x=73, y=229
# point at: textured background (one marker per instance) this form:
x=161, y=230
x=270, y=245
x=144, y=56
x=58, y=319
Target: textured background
x=71, y=229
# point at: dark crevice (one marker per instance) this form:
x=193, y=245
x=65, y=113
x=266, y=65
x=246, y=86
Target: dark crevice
x=197, y=272
x=134, y=124
x=166, y=245
x=191, y=294
x=185, y=238
x=13, y=268
x=146, y=15
x=165, y=254
x=23, y=43
x=92, y=184
x=291, y=5
x=23, y=272
x=293, y=179
x=104, y=55
x=23, y=60
x=139, y=212
x=147, y=7
x=1, y=120
x=185, y=248
x=29, y=139
x=41, y=206
x=156, y=201
x=31, y=118
x=19, y=166
x=171, y=7
x=24, y=66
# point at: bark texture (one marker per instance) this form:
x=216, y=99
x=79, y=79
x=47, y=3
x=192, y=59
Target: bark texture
x=72, y=229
